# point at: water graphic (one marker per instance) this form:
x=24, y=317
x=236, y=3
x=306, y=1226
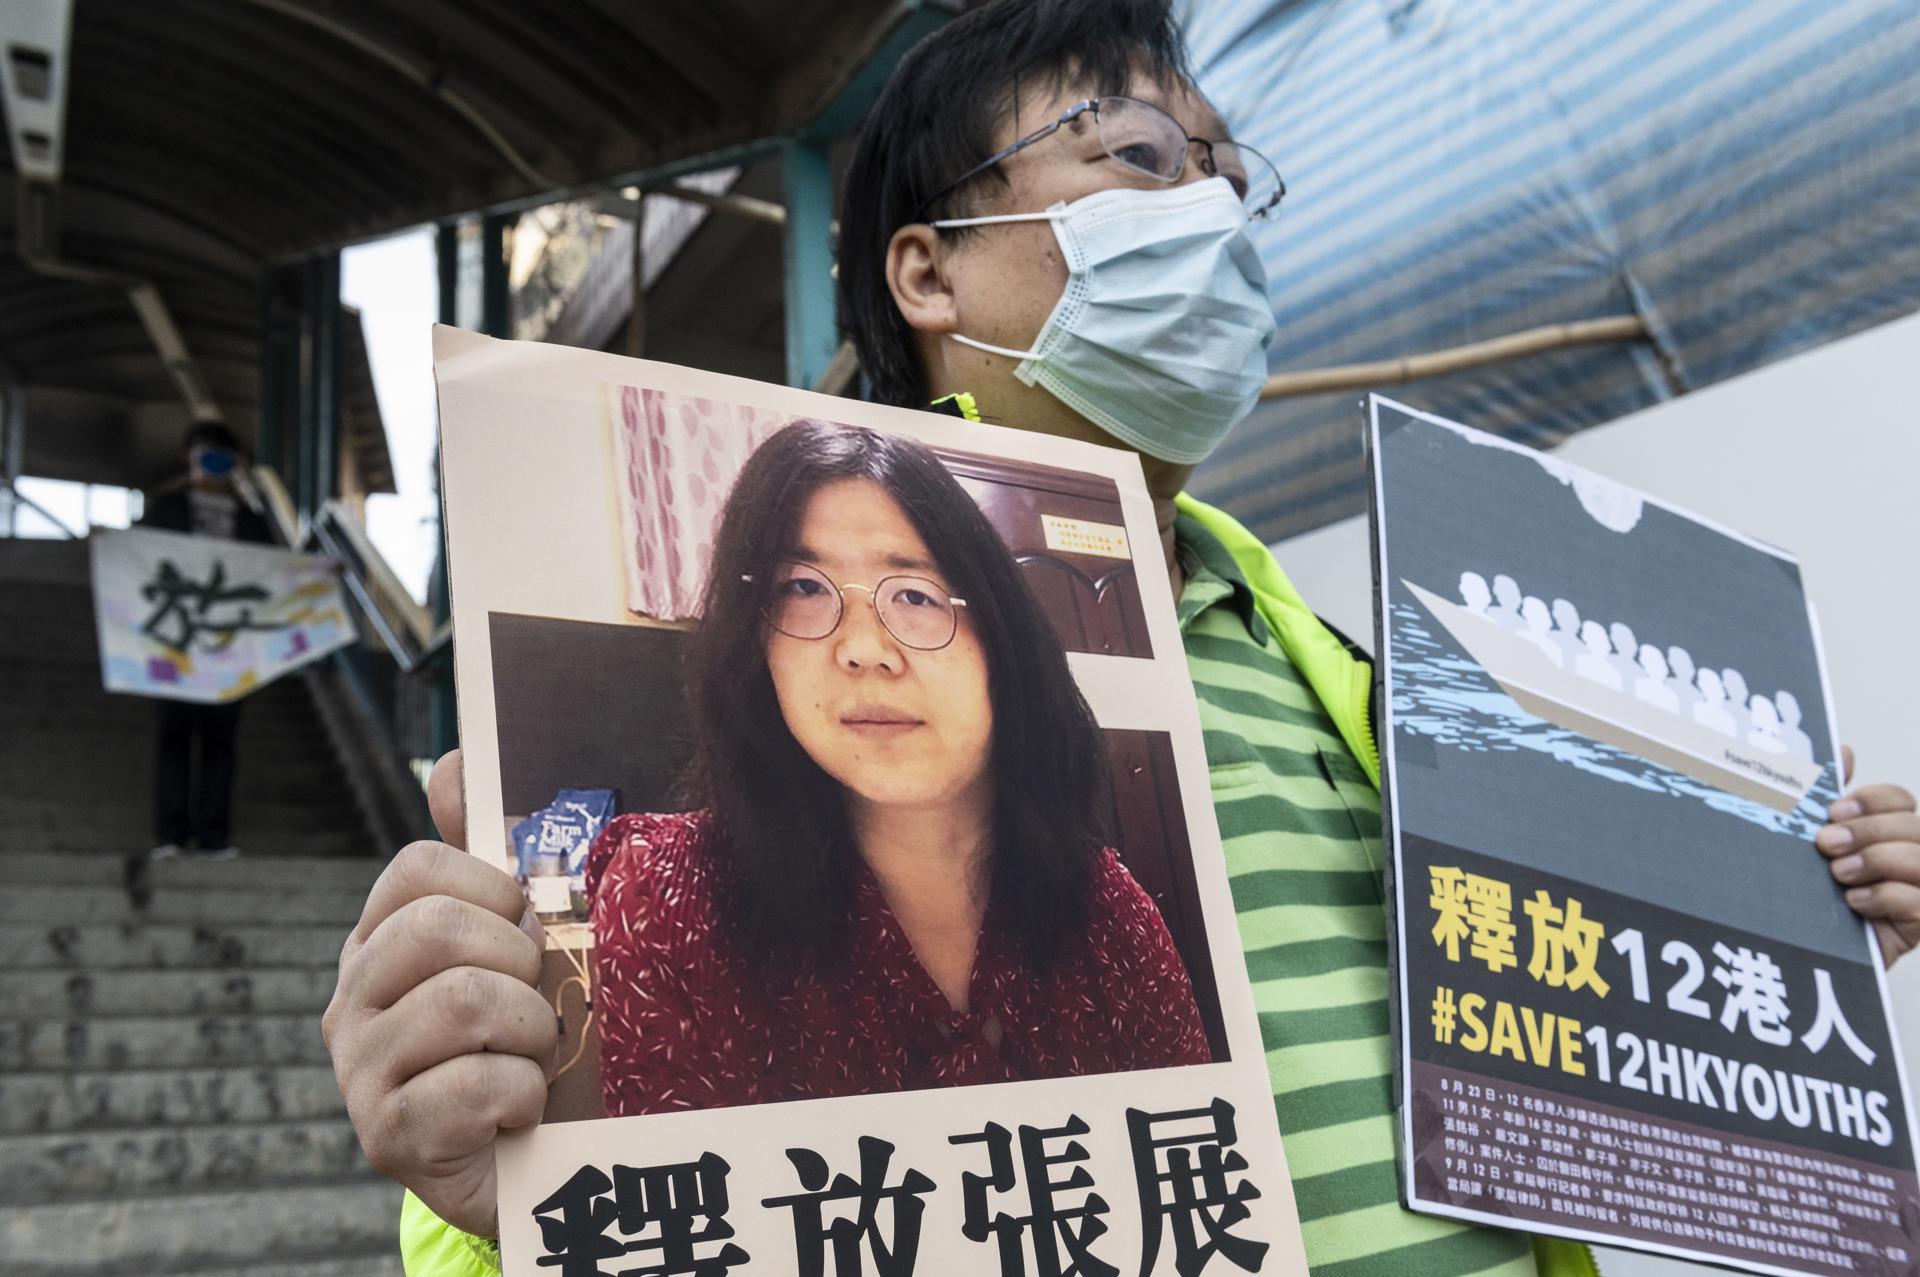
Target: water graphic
x=1448, y=699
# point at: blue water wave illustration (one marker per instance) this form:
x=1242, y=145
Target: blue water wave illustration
x=1448, y=699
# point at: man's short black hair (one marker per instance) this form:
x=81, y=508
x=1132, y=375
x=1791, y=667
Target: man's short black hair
x=936, y=119
x=211, y=434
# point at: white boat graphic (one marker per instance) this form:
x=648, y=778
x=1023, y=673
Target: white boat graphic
x=1547, y=691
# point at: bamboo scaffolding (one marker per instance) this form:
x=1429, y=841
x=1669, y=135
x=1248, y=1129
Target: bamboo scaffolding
x=1389, y=372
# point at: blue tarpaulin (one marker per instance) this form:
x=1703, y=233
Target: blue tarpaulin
x=1744, y=175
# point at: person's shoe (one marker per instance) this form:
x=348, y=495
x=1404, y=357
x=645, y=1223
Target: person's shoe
x=228, y=852
x=167, y=851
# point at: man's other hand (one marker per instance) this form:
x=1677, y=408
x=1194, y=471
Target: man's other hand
x=439, y=1035
x=1872, y=845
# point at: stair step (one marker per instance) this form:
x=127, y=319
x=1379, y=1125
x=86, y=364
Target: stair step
x=26, y=563
x=265, y=770
x=170, y=944
x=46, y=640
x=49, y=639
x=50, y=759
x=41, y=685
x=65, y=648
x=292, y=904
x=49, y=606
x=333, y=838
x=114, y=809
x=134, y=748
x=161, y=1041
x=252, y=872
x=38, y=687
x=131, y=739
x=46, y=600
x=43, y=811
x=47, y=1168
x=74, y=652
x=79, y=698
x=67, y=691
x=303, y=782
x=53, y=699
x=71, y=647
x=67, y=716
x=332, y=831
x=300, y=778
x=105, y=1099
x=230, y=991
x=72, y=728
x=75, y=1237
x=34, y=611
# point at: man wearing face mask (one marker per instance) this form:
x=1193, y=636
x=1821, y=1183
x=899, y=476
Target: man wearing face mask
x=1046, y=227
x=1077, y=253
x=192, y=806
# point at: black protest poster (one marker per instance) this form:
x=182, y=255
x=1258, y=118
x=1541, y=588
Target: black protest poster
x=1633, y=1007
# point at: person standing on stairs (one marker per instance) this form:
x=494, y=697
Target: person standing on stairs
x=192, y=805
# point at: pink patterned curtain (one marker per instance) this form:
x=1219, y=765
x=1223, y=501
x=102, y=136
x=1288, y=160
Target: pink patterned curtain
x=678, y=458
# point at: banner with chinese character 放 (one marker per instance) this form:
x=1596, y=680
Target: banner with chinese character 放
x=1634, y=1007
x=849, y=758
x=196, y=618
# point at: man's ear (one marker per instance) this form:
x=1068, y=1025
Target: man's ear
x=918, y=280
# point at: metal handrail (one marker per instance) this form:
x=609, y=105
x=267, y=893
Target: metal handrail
x=331, y=532
x=273, y=501
x=22, y=498
x=381, y=578
x=401, y=624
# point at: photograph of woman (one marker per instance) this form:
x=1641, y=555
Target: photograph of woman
x=892, y=874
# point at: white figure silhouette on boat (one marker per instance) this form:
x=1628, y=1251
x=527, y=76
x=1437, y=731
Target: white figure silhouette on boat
x=1602, y=681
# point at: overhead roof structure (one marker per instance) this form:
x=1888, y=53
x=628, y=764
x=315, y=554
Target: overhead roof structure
x=205, y=140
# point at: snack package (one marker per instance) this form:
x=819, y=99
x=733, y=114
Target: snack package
x=551, y=845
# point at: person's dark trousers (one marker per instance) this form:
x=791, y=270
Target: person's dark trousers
x=184, y=812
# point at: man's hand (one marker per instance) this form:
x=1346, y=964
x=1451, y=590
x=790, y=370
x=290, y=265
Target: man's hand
x=1872, y=844
x=438, y=1033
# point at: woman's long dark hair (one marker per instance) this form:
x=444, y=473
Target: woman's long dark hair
x=782, y=818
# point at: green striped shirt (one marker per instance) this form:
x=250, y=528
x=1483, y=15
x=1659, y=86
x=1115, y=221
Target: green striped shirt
x=1301, y=828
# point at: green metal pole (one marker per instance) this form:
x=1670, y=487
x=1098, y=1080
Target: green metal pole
x=323, y=305
x=446, y=257
x=443, y=722
x=281, y=443
x=496, y=301
x=268, y=431
x=812, y=334
x=301, y=363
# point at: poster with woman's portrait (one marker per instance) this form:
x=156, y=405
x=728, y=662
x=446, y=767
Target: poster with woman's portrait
x=848, y=759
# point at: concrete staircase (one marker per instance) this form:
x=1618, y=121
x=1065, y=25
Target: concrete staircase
x=166, y=1104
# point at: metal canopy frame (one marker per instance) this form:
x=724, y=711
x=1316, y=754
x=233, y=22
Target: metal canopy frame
x=208, y=142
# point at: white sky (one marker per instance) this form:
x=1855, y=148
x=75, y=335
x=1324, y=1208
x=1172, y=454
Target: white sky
x=76, y=505
x=394, y=284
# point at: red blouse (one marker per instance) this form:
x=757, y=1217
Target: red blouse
x=689, y=1021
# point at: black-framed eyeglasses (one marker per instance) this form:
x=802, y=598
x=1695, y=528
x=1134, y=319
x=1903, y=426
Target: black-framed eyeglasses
x=806, y=603
x=1147, y=140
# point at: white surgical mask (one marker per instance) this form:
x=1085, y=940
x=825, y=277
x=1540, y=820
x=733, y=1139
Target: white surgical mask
x=1160, y=336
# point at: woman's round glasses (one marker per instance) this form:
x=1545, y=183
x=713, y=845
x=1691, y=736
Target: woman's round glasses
x=806, y=603
x=1149, y=141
